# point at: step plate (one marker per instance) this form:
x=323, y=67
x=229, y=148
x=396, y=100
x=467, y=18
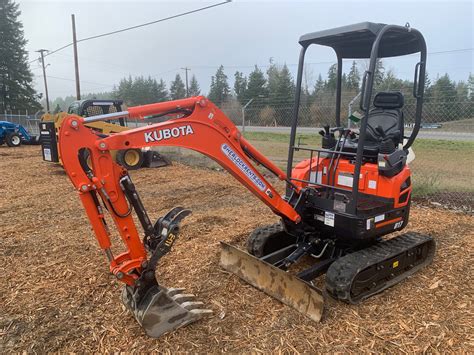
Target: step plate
x=275, y=282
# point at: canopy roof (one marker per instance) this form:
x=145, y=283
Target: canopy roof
x=355, y=41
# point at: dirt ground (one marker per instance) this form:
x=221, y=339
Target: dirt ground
x=56, y=293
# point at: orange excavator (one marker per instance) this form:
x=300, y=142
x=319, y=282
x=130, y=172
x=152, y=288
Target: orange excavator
x=339, y=203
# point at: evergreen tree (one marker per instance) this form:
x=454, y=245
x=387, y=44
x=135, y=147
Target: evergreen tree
x=273, y=75
x=177, y=88
x=331, y=83
x=344, y=81
x=281, y=87
x=256, y=86
x=353, y=78
x=379, y=73
x=124, y=91
x=240, y=87
x=470, y=84
x=444, y=96
x=16, y=79
x=194, y=89
x=287, y=85
x=161, y=91
x=319, y=86
x=220, y=90
x=139, y=94
x=390, y=82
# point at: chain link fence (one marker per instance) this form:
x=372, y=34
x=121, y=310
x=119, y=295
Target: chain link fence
x=442, y=171
x=29, y=122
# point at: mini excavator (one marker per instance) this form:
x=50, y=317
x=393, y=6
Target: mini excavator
x=340, y=203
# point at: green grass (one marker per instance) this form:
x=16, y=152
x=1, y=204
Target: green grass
x=466, y=125
x=440, y=165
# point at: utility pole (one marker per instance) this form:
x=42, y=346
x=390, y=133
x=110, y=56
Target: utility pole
x=186, y=75
x=76, y=60
x=41, y=51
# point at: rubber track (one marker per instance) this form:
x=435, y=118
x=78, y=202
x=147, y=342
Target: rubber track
x=258, y=238
x=343, y=271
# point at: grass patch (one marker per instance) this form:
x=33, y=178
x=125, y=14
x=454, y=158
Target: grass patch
x=440, y=165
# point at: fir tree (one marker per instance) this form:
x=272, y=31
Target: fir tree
x=161, y=91
x=16, y=79
x=281, y=87
x=379, y=73
x=331, y=83
x=353, y=78
x=319, y=86
x=220, y=90
x=194, y=89
x=240, y=87
x=444, y=94
x=256, y=86
x=177, y=88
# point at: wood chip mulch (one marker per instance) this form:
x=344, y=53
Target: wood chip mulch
x=56, y=293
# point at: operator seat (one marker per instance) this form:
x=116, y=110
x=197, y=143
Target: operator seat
x=387, y=114
x=385, y=119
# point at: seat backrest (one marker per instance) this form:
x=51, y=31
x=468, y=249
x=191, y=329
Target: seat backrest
x=386, y=113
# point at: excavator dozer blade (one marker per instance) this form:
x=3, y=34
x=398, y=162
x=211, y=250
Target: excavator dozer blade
x=163, y=310
x=275, y=282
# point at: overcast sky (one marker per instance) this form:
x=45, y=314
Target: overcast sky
x=237, y=35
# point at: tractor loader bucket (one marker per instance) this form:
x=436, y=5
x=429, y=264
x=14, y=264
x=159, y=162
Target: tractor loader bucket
x=275, y=282
x=163, y=310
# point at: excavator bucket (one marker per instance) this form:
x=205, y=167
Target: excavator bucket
x=275, y=282
x=163, y=310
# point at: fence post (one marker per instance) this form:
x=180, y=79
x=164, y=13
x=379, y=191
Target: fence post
x=243, y=114
x=243, y=120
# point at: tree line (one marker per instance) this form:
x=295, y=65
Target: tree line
x=268, y=94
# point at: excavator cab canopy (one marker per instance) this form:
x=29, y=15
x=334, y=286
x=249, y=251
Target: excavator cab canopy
x=356, y=41
x=371, y=41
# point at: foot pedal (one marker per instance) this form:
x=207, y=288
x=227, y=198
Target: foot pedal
x=163, y=310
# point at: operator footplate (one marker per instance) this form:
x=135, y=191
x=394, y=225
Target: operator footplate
x=359, y=275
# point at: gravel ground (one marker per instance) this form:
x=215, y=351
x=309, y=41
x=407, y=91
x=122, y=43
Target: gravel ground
x=56, y=293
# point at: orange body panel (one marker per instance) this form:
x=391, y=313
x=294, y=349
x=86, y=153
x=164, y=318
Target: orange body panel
x=370, y=181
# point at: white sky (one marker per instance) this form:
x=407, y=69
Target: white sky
x=237, y=35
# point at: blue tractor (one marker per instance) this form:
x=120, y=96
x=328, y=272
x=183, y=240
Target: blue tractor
x=15, y=134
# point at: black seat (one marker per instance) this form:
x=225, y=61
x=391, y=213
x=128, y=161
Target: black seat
x=387, y=115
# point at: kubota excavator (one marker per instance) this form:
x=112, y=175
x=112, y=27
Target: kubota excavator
x=338, y=204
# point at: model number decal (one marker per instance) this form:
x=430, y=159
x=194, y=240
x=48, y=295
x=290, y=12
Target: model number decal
x=167, y=133
x=234, y=158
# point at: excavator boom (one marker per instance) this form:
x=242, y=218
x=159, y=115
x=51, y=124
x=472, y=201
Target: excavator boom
x=197, y=124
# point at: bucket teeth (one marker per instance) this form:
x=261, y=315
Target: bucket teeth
x=174, y=291
x=183, y=297
x=162, y=310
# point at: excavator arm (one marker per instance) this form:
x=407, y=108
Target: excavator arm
x=103, y=185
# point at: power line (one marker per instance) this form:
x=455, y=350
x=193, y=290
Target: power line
x=82, y=81
x=138, y=26
x=317, y=63
x=156, y=21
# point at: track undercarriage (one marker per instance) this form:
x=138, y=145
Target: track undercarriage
x=352, y=273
